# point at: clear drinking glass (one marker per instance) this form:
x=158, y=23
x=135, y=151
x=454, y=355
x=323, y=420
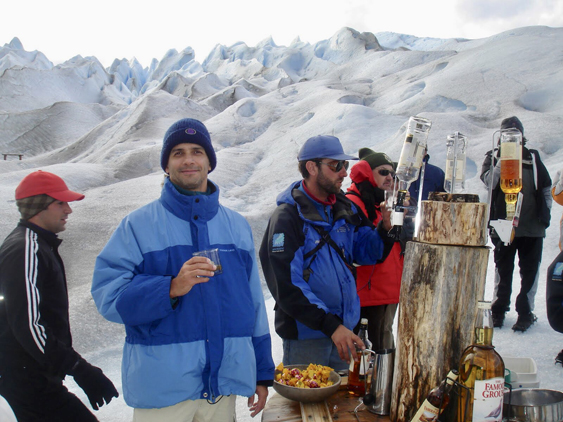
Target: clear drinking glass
x=213, y=255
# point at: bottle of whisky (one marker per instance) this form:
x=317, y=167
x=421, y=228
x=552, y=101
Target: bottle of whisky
x=414, y=148
x=481, y=370
x=510, y=168
x=437, y=400
x=358, y=371
x=408, y=168
x=454, y=180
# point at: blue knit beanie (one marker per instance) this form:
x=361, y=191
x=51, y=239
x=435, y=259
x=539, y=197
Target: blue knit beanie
x=187, y=131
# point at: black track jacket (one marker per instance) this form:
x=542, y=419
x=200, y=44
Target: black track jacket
x=34, y=322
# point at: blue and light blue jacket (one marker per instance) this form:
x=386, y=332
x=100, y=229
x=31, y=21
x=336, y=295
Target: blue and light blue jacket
x=214, y=340
x=315, y=295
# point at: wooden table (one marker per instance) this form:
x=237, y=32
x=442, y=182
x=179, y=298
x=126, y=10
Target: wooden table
x=338, y=408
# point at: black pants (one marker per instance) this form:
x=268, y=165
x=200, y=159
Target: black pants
x=38, y=397
x=529, y=257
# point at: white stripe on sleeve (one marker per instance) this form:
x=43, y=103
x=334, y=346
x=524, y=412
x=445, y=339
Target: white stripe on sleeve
x=33, y=298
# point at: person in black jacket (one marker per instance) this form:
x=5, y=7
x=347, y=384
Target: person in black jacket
x=36, y=350
x=554, y=288
x=528, y=242
x=554, y=298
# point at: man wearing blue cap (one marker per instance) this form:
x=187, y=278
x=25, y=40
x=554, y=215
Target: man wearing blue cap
x=196, y=336
x=313, y=239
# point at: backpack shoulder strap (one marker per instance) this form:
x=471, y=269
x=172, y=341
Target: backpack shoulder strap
x=325, y=238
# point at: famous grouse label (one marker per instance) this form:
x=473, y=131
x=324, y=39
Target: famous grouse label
x=487, y=401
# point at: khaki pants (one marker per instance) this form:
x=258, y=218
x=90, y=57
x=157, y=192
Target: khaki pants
x=191, y=411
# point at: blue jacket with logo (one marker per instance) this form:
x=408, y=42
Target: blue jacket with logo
x=212, y=341
x=315, y=295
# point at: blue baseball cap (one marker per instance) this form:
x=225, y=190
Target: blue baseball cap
x=323, y=146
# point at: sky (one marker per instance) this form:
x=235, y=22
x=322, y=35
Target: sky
x=121, y=29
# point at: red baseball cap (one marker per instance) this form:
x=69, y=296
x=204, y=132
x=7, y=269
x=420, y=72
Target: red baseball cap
x=42, y=182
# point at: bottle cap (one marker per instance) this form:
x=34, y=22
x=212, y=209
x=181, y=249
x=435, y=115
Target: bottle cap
x=452, y=376
x=364, y=321
x=482, y=304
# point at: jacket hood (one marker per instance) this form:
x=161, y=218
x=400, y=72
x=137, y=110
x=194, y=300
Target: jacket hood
x=361, y=171
x=308, y=208
x=285, y=197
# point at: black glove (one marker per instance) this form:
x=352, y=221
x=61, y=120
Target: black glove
x=95, y=384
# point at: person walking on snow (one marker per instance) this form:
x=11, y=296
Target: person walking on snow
x=36, y=350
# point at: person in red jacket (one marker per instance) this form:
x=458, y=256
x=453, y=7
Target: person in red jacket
x=557, y=193
x=378, y=285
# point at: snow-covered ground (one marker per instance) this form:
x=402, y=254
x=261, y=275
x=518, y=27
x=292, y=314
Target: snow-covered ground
x=101, y=130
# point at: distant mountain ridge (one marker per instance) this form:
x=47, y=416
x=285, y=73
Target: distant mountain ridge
x=130, y=79
x=80, y=111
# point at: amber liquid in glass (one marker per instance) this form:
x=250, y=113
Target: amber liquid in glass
x=436, y=401
x=357, y=373
x=510, y=184
x=510, y=176
x=356, y=382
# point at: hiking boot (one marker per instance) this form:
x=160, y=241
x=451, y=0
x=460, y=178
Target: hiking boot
x=498, y=320
x=524, y=322
x=559, y=358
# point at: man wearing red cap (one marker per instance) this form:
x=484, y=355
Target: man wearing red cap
x=36, y=350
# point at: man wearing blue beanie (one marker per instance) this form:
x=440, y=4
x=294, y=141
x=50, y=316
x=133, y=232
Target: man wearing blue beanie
x=189, y=131
x=197, y=330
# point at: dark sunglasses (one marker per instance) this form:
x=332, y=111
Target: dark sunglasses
x=385, y=173
x=336, y=167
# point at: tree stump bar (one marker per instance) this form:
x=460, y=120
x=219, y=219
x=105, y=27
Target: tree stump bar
x=453, y=197
x=453, y=223
x=440, y=288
